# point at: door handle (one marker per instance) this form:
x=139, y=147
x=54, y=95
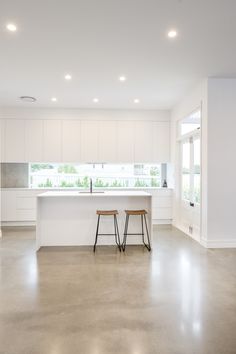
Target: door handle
x=191, y=204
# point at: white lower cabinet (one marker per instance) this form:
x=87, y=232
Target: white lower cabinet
x=161, y=206
x=19, y=206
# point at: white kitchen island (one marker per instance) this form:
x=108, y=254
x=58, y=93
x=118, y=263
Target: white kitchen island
x=69, y=218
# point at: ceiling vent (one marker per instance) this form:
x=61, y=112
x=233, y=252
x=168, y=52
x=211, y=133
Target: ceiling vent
x=28, y=99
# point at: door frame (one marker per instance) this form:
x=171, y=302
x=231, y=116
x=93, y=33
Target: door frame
x=180, y=139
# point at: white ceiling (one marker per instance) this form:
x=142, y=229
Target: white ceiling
x=98, y=40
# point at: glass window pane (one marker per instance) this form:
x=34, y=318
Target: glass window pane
x=186, y=186
x=190, y=123
x=196, y=191
x=186, y=171
x=197, y=171
x=103, y=175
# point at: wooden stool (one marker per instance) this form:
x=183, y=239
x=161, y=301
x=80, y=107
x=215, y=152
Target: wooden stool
x=113, y=213
x=143, y=214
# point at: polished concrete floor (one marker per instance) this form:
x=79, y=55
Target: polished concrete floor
x=179, y=299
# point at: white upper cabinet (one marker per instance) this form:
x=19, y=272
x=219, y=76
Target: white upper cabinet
x=71, y=141
x=161, y=142
x=84, y=141
x=125, y=141
x=89, y=141
x=107, y=141
x=14, y=140
x=143, y=141
x=52, y=134
x=34, y=140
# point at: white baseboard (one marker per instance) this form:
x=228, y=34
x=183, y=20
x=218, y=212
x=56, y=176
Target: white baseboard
x=231, y=243
x=161, y=221
x=18, y=223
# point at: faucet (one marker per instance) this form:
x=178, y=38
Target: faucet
x=91, y=185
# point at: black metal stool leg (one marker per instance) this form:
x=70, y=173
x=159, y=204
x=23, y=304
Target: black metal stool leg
x=149, y=245
x=125, y=232
x=117, y=236
x=142, y=229
x=96, y=238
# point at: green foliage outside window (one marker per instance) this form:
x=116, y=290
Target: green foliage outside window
x=67, y=169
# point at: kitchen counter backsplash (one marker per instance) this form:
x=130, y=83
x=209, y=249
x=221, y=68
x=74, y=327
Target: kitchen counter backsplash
x=14, y=175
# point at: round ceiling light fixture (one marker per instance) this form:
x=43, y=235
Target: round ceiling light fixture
x=172, y=33
x=68, y=77
x=122, y=78
x=28, y=99
x=11, y=27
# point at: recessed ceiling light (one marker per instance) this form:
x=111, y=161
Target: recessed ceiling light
x=54, y=99
x=28, y=99
x=68, y=77
x=122, y=78
x=95, y=100
x=172, y=34
x=136, y=100
x=11, y=27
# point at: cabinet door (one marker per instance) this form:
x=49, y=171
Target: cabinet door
x=34, y=140
x=107, y=141
x=143, y=142
x=52, y=141
x=8, y=203
x=71, y=139
x=14, y=140
x=125, y=144
x=161, y=142
x=89, y=141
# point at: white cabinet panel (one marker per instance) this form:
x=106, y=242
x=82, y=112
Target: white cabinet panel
x=162, y=202
x=89, y=141
x=125, y=144
x=160, y=142
x=52, y=141
x=8, y=203
x=71, y=139
x=14, y=140
x=25, y=203
x=162, y=213
x=107, y=141
x=143, y=142
x=19, y=206
x=34, y=140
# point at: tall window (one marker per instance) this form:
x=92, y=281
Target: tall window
x=191, y=123
x=103, y=175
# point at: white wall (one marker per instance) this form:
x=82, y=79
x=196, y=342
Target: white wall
x=221, y=162
x=217, y=98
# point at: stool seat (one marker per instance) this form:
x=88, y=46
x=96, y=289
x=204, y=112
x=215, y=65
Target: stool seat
x=136, y=212
x=107, y=212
